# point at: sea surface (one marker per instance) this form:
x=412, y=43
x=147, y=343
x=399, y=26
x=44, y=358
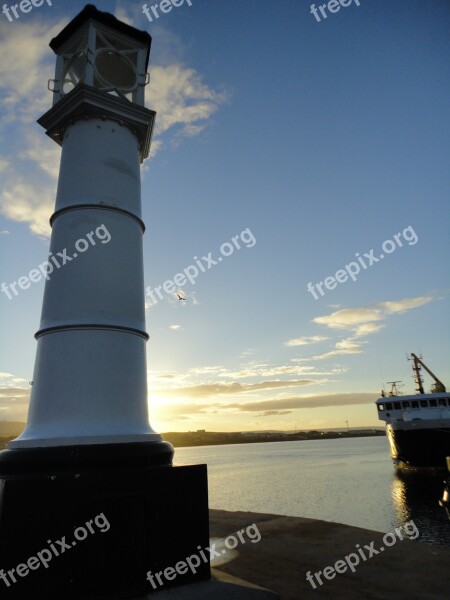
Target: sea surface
x=349, y=481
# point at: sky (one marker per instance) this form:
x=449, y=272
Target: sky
x=318, y=145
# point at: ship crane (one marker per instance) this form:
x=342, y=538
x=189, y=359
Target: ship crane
x=437, y=388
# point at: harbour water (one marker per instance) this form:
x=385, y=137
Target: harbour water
x=349, y=481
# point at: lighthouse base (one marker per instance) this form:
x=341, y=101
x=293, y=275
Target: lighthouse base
x=109, y=532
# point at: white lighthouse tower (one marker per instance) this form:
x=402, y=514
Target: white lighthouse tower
x=88, y=454
x=90, y=378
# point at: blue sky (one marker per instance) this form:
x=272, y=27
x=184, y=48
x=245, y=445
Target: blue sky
x=324, y=139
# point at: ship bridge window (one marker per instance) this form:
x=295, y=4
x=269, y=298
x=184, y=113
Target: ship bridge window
x=388, y=405
x=424, y=403
x=397, y=405
x=405, y=404
x=415, y=404
x=381, y=407
x=442, y=402
x=433, y=402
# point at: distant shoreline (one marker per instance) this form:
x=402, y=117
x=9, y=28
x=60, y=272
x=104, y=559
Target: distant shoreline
x=206, y=438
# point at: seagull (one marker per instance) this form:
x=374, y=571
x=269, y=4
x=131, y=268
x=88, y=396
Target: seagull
x=180, y=298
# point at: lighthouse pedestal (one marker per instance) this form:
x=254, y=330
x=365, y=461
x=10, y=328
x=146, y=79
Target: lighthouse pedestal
x=94, y=531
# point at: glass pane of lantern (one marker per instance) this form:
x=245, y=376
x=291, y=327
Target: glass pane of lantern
x=115, y=70
x=74, y=72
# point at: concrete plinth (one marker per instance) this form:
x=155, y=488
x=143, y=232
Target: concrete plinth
x=95, y=533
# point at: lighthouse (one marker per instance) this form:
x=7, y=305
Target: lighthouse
x=90, y=379
x=88, y=450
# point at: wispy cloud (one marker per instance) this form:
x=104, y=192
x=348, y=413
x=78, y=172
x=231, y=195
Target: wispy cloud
x=266, y=371
x=350, y=318
x=9, y=380
x=305, y=341
x=347, y=346
x=301, y=402
x=274, y=413
x=265, y=408
x=362, y=322
x=21, y=202
x=123, y=12
x=184, y=103
x=14, y=397
x=207, y=390
x=27, y=64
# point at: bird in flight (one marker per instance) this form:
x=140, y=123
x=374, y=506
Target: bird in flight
x=180, y=298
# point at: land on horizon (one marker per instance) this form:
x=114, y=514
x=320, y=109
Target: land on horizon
x=11, y=429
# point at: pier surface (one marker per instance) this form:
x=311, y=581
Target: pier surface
x=292, y=546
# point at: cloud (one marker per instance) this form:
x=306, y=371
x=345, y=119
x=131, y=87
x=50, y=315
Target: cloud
x=30, y=161
x=20, y=202
x=26, y=66
x=362, y=322
x=19, y=395
x=301, y=402
x=9, y=380
x=122, y=12
x=41, y=148
x=14, y=398
x=368, y=328
x=265, y=371
x=304, y=341
x=247, y=352
x=274, y=407
x=175, y=327
x=207, y=370
x=402, y=306
x=14, y=403
x=182, y=100
x=207, y=390
x=347, y=346
x=273, y=413
x=349, y=318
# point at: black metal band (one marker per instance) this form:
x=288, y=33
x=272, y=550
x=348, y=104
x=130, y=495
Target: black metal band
x=120, y=328
x=122, y=211
x=124, y=455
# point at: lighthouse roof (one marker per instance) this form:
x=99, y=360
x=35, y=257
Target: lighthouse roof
x=90, y=12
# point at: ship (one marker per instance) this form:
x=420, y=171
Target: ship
x=417, y=425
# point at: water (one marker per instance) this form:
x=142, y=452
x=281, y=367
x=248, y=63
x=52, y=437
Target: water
x=349, y=481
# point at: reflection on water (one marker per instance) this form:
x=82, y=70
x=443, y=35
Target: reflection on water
x=349, y=481
x=416, y=496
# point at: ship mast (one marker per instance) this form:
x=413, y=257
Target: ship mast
x=438, y=386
